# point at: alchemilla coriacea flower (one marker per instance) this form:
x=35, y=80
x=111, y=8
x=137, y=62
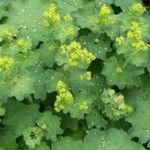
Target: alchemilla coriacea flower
x=76, y=54
x=63, y=98
x=138, y=8
x=51, y=15
x=6, y=63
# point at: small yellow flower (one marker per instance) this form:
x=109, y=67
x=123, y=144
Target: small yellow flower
x=122, y=106
x=138, y=8
x=6, y=63
x=70, y=31
x=135, y=31
x=44, y=126
x=51, y=15
x=83, y=105
x=119, y=69
x=68, y=18
x=120, y=40
x=140, y=45
x=105, y=10
x=24, y=44
x=76, y=54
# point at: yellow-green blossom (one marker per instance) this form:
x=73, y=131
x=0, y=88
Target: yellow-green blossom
x=105, y=10
x=135, y=31
x=119, y=69
x=138, y=8
x=76, y=54
x=67, y=18
x=105, y=16
x=70, y=31
x=120, y=40
x=140, y=45
x=7, y=32
x=83, y=105
x=6, y=63
x=86, y=76
x=24, y=44
x=64, y=95
x=52, y=15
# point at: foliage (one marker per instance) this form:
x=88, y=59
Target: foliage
x=74, y=75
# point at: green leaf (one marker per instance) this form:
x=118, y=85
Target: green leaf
x=24, y=16
x=8, y=139
x=81, y=106
x=106, y=140
x=23, y=88
x=32, y=136
x=73, y=78
x=47, y=54
x=67, y=6
x=52, y=77
x=20, y=116
x=140, y=124
x=4, y=91
x=125, y=4
x=50, y=125
x=122, y=77
x=67, y=143
x=100, y=2
x=42, y=146
x=95, y=119
x=99, y=45
x=140, y=99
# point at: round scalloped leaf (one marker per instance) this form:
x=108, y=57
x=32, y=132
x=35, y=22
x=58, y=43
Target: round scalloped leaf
x=67, y=143
x=23, y=88
x=122, y=77
x=27, y=16
x=109, y=140
x=98, y=45
x=125, y=4
x=50, y=125
x=139, y=120
x=100, y=2
x=94, y=119
x=52, y=77
x=8, y=139
x=20, y=116
x=42, y=146
x=68, y=6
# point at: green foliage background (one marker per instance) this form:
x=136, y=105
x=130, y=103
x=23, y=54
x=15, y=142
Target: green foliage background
x=49, y=101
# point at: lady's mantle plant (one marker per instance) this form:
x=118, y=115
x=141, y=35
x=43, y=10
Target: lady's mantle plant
x=74, y=74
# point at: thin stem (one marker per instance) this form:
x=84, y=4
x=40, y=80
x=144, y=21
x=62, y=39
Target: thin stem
x=31, y=99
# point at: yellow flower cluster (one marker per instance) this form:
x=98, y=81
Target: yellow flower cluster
x=140, y=45
x=136, y=34
x=135, y=31
x=138, y=8
x=76, y=54
x=64, y=95
x=6, y=63
x=24, y=44
x=67, y=18
x=118, y=103
x=105, y=18
x=7, y=32
x=105, y=10
x=86, y=76
x=83, y=105
x=120, y=40
x=51, y=15
x=119, y=69
x=70, y=31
